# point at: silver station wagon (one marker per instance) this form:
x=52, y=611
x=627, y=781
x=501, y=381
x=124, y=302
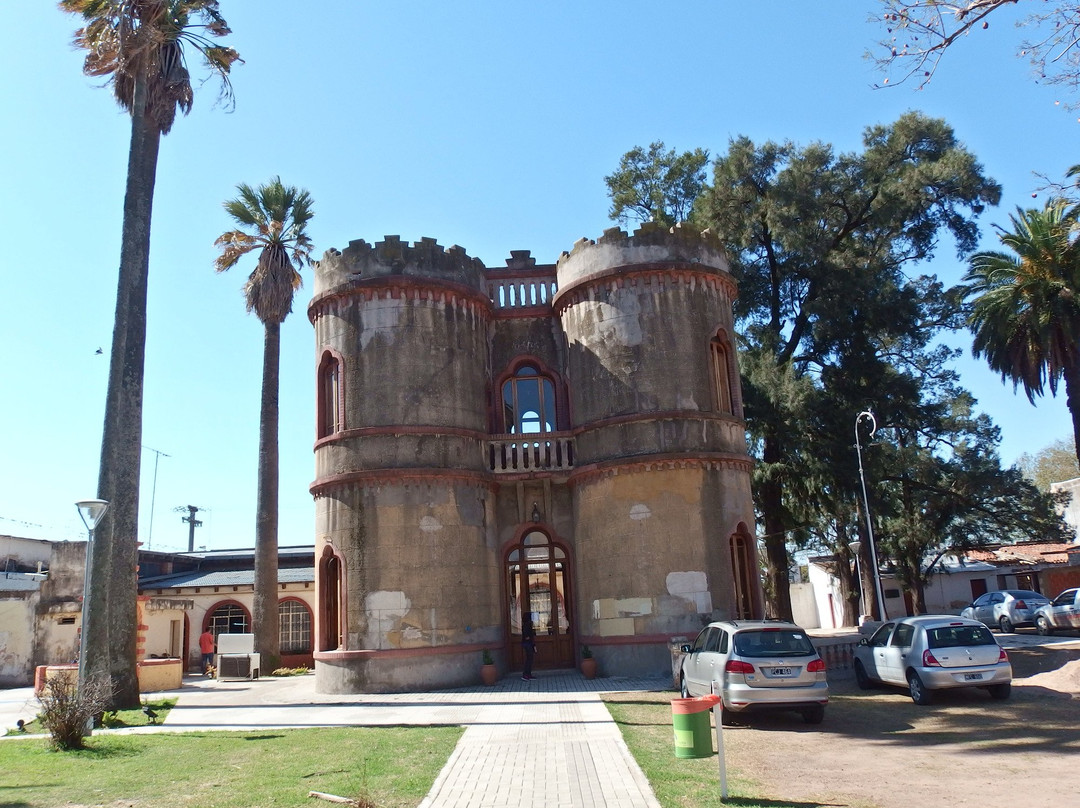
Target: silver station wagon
x=756, y=665
x=933, y=652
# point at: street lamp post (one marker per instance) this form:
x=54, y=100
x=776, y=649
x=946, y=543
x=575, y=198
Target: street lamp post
x=866, y=508
x=90, y=511
x=855, y=547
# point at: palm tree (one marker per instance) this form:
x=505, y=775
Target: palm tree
x=139, y=45
x=1025, y=312
x=275, y=217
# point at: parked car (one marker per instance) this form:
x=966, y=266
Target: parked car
x=933, y=652
x=1063, y=612
x=756, y=665
x=1006, y=609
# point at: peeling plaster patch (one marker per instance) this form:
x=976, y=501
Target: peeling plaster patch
x=384, y=612
x=693, y=587
x=411, y=633
x=639, y=512
x=380, y=317
x=612, y=608
x=429, y=524
x=618, y=627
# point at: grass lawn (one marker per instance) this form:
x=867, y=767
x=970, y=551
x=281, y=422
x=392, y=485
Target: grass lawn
x=392, y=766
x=645, y=722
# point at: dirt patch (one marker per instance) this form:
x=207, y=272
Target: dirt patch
x=877, y=749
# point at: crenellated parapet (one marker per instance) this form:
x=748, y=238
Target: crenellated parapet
x=394, y=257
x=653, y=255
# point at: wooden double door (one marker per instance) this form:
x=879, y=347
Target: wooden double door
x=538, y=588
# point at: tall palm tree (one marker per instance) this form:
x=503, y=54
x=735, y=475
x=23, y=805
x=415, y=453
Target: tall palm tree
x=1025, y=312
x=139, y=45
x=274, y=218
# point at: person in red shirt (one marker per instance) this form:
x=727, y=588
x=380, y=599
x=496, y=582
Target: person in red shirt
x=206, y=645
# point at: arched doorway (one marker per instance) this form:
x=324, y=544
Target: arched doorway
x=538, y=584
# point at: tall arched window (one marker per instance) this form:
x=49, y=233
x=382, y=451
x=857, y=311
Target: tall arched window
x=329, y=394
x=330, y=634
x=741, y=560
x=528, y=402
x=294, y=620
x=721, y=373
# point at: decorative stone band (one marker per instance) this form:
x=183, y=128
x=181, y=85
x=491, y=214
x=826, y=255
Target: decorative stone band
x=658, y=415
x=707, y=461
x=654, y=276
x=397, y=429
x=417, y=476
x=400, y=287
x=389, y=653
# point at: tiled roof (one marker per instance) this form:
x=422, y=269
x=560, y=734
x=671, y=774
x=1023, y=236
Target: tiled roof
x=1024, y=553
x=286, y=575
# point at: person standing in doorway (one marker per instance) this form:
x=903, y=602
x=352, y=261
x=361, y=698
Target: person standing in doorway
x=528, y=645
x=206, y=645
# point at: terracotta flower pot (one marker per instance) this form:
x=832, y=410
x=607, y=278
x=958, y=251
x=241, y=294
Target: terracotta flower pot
x=489, y=674
x=588, y=668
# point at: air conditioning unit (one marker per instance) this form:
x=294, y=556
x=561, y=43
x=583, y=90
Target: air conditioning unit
x=236, y=657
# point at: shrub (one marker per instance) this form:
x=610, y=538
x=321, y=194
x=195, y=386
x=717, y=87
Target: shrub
x=66, y=710
x=301, y=671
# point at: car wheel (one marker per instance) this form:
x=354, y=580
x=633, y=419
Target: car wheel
x=813, y=715
x=919, y=693
x=1002, y=691
x=727, y=717
x=682, y=687
x=1042, y=625
x=861, y=679
x=1006, y=625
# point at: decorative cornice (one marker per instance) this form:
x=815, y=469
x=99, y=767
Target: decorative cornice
x=412, y=476
x=707, y=461
x=658, y=415
x=395, y=430
x=400, y=287
x=654, y=275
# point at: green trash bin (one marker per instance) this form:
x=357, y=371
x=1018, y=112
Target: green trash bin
x=693, y=732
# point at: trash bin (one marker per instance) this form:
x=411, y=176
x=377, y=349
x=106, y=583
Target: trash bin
x=690, y=719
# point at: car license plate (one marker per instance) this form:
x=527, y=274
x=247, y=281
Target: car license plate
x=781, y=671
x=972, y=677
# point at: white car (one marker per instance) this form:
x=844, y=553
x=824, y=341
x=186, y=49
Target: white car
x=1063, y=612
x=933, y=652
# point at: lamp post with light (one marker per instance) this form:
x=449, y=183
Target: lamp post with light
x=90, y=511
x=866, y=508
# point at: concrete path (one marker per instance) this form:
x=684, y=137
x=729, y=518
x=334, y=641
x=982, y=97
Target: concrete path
x=548, y=743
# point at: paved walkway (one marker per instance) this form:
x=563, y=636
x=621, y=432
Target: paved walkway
x=548, y=743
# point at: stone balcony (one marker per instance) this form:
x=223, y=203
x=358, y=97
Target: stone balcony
x=520, y=454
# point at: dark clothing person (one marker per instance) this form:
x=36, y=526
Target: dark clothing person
x=528, y=645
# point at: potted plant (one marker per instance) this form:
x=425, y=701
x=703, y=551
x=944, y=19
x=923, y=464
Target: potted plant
x=489, y=674
x=588, y=663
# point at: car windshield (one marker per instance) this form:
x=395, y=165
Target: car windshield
x=953, y=636
x=773, y=642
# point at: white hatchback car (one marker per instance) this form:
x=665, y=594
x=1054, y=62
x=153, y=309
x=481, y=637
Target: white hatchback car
x=756, y=665
x=933, y=652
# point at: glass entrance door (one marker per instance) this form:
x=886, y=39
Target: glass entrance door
x=538, y=586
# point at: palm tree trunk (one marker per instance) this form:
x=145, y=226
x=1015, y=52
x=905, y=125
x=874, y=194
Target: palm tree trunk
x=109, y=640
x=267, y=640
x=1072, y=401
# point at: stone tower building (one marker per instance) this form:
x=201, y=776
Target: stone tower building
x=559, y=441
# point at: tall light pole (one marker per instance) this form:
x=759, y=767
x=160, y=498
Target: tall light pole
x=866, y=509
x=855, y=547
x=90, y=511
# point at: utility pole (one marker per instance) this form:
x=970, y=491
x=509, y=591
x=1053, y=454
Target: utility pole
x=192, y=523
x=153, y=495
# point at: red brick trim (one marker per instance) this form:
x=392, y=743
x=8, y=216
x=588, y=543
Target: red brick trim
x=417, y=476
x=396, y=429
x=710, y=461
x=659, y=415
x=658, y=273
x=400, y=287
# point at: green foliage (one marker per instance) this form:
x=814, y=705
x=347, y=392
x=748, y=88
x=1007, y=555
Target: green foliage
x=393, y=766
x=822, y=245
x=487, y=659
x=656, y=185
x=301, y=671
x=67, y=709
x=1054, y=463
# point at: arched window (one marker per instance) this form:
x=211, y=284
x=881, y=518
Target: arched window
x=528, y=402
x=721, y=373
x=330, y=634
x=229, y=618
x=294, y=620
x=741, y=561
x=329, y=394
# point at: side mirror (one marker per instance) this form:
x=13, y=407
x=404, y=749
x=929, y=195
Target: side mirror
x=864, y=641
x=685, y=649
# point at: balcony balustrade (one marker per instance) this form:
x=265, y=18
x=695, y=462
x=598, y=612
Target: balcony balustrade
x=542, y=452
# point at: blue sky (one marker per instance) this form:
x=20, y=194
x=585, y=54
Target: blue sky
x=485, y=124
